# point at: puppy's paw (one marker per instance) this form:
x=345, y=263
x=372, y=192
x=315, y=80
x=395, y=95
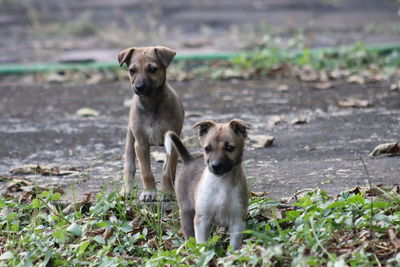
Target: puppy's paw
x=125, y=192
x=166, y=197
x=148, y=196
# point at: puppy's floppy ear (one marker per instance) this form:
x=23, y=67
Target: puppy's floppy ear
x=204, y=126
x=125, y=56
x=239, y=126
x=164, y=54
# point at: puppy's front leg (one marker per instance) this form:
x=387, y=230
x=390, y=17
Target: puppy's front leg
x=201, y=228
x=129, y=166
x=236, y=234
x=143, y=153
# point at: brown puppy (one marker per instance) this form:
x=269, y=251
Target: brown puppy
x=215, y=193
x=155, y=109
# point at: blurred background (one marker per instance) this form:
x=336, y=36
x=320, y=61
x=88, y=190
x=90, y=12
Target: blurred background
x=78, y=30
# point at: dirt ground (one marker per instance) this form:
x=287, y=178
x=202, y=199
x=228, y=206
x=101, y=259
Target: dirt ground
x=39, y=125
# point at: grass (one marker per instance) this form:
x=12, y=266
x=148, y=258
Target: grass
x=357, y=228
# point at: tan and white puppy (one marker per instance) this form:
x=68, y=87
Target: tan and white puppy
x=213, y=190
x=155, y=109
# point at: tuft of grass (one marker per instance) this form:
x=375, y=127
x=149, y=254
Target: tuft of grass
x=359, y=227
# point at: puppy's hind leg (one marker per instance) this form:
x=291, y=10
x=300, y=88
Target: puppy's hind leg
x=187, y=216
x=168, y=179
x=129, y=166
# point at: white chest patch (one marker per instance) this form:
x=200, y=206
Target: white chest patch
x=217, y=199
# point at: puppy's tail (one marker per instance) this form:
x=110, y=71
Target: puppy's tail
x=171, y=139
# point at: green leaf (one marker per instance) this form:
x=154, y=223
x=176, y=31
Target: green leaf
x=55, y=196
x=15, y=227
x=7, y=255
x=75, y=229
x=205, y=258
x=45, y=194
x=293, y=214
x=99, y=239
x=356, y=199
x=382, y=217
x=126, y=227
x=83, y=246
x=60, y=234
x=36, y=203
x=382, y=205
x=336, y=204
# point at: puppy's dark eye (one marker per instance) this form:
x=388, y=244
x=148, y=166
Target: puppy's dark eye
x=132, y=71
x=208, y=148
x=152, y=69
x=229, y=148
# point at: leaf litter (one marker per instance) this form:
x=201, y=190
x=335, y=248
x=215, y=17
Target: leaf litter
x=261, y=141
x=46, y=170
x=385, y=149
x=134, y=233
x=352, y=102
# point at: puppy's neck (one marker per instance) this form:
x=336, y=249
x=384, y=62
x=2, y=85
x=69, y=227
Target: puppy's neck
x=151, y=102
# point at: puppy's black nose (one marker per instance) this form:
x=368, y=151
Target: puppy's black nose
x=216, y=166
x=140, y=86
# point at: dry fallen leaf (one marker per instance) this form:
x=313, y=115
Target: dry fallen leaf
x=95, y=79
x=356, y=79
x=338, y=74
x=77, y=206
x=297, y=195
x=283, y=88
x=354, y=103
x=374, y=78
x=159, y=156
x=260, y=194
x=393, y=237
x=260, y=141
x=107, y=233
x=323, y=76
x=35, y=169
x=309, y=76
x=232, y=74
x=276, y=120
x=388, y=148
x=395, y=86
x=87, y=112
x=26, y=169
x=299, y=120
x=321, y=85
x=45, y=170
x=56, y=77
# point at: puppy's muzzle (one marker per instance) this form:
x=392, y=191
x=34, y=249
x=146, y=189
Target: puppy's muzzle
x=140, y=88
x=220, y=167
